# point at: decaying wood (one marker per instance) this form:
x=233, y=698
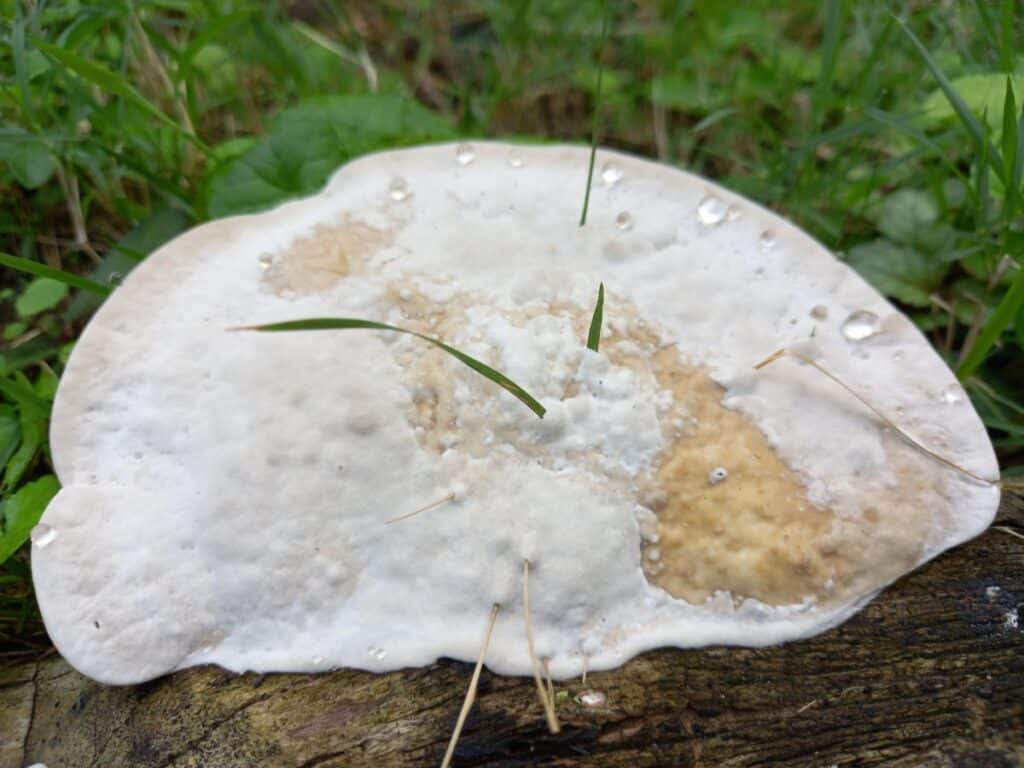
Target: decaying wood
x=930, y=675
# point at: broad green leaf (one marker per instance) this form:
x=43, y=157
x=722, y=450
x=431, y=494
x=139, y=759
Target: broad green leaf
x=217, y=69
x=21, y=512
x=308, y=142
x=909, y=217
x=10, y=432
x=984, y=95
x=148, y=235
x=903, y=273
x=41, y=294
x=594, y=335
x=346, y=323
x=41, y=270
x=29, y=159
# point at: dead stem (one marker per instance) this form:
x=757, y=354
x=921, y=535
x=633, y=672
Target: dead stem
x=542, y=694
x=467, y=703
x=923, y=449
x=438, y=503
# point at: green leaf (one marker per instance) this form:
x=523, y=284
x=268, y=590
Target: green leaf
x=308, y=142
x=21, y=512
x=33, y=414
x=29, y=159
x=909, y=216
x=41, y=270
x=344, y=323
x=111, y=82
x=1005, y=313
x=981, y=94
x=41, y=294
x=903, y=273
x=10, y=432
x=1010, y=150
x=956, y=101
x=148, y=235
x=594, y=335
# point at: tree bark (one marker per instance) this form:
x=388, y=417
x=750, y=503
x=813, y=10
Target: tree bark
x=930, y=675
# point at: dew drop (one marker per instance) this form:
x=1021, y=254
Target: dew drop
x=819, y=312
x=515, y=158
x=399, y=189
x=653, y=554
x=611, y=173
x=717, y=475
x=465, y=154
x=733, y=212
x=861, y=325
x=952, y=394
x=592, y=699
x=317, y=660
x=42, y=535
x=624, y=221
x=376, y=652
x=711, y=211
x=767, y=240
x=266, y=261
x=115, y=278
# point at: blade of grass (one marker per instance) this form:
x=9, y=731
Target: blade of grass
x=597, y=114
x=830, y=50
x=110, y=81
x=41, y=270
x=963, y=112
x=1006, y=47
x=594, y=336
x=344, y=323
x=1009, y=149
x=1002, y=316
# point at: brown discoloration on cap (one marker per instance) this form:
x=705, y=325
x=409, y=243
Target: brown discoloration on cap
x=332, y=252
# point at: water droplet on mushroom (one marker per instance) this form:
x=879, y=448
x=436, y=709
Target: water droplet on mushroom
x=717, y=475
x=624, y=221
x=398, y=189
x=515, y=158
x=819, y=312
x=465, y=154
x=711, y=211
x=733, y=212
x=115, y=278
x=376, y=652
x=861, y=325
x=611, y=173
x=266, y=260
x=952, y=394
x=317, y=660
x=592, y=699
x=42, y=535
x=653, y=554
x=766, y=240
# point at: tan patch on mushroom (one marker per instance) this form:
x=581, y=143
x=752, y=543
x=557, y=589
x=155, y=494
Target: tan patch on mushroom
x=754, y=534
x=333, y=251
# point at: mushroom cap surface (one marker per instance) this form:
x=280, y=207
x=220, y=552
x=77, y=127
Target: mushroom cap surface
x=226, y=495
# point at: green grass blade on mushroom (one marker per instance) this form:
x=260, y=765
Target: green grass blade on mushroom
x=594, y=334
x=350, y=323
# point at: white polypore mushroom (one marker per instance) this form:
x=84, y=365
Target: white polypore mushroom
x=226, y=496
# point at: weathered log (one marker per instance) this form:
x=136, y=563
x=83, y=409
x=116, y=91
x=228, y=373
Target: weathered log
x=930, y=675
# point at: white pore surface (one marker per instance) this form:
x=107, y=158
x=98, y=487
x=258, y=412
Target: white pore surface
x=225, y=494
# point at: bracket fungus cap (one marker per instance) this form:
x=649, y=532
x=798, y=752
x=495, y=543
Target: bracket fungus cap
x=226, y=496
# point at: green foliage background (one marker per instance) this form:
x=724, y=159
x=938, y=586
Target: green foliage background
x=123, y=123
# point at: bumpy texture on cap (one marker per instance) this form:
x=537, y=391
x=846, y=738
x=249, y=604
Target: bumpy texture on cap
x=226, y=494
